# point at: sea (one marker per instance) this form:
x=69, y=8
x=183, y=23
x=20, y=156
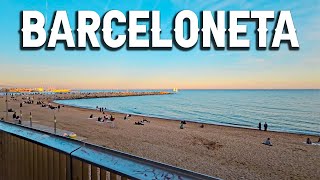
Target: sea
x=293, y=111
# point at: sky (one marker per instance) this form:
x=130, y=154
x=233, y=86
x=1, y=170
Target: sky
x=132, y=69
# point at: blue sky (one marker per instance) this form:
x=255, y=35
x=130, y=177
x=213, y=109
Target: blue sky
x=124, y=69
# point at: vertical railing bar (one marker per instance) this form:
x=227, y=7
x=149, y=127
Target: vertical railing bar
x=77, y=169
x=113, y=176
x=31, y=160
x=35, y=161
x=55, y=165
x=62, y=166
x=85, y=171
x=50, y=164
x=40, y=161
x=15, y=161
x=69, y=167
x=103, y=174
x=94, y=172
x=2, y=155
x=45, y=162
x=19, y=161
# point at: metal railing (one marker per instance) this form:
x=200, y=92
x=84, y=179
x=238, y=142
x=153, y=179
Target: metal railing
x=32, y=154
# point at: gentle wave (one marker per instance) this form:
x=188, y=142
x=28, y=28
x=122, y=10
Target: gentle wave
x=294, y=111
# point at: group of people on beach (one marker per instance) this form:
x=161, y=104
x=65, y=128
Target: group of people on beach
x=268, y=141
x=16, y=118
x=182, y=123
x=310, y=142
x=127, y=116
x=50, y=106
x=108, y=119
x=111, y=119
x=265, y=126
x=141, y=122
x=40, y=102
x=101, y=109
x=27, y=100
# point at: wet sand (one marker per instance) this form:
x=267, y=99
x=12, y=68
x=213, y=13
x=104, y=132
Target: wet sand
x=225, y=152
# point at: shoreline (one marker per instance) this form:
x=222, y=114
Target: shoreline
x=220, y=151
x=176, y=119
x=172, y=119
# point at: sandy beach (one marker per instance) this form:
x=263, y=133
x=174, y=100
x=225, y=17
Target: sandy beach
x=224, y=152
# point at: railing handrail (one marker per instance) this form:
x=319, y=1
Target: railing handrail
x=115, y=161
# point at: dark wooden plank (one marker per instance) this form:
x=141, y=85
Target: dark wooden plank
x=20, y=167
x=39, y=163
x=113, y=176
x=103, y=174
x=124, y=178
x=62, y=167
x=94, y=172
x=25, y=159
x=31, y=160
x=56, y=165
x=50, y=164
x=85, y=171
x=76, y=169
x=45, y=163
x=15, y=158
x=2, y=155
x=35, y=162
x=69, y=171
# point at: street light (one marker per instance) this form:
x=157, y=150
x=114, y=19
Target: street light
x=55, y=122
x=7, y=104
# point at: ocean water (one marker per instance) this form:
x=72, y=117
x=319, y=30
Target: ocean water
x=295, y=111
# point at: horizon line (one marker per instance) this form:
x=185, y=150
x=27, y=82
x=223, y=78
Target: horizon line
x=199, y=89
x=2, y=86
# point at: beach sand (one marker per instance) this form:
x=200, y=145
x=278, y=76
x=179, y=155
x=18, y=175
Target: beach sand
x=220, y=151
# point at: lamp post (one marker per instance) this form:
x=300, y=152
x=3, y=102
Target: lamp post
x=21, y=115
x=7, y=104
x=55, y=122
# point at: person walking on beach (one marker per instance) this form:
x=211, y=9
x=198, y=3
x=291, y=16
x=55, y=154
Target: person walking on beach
x=265, y=126
x=259, y=126
x=58, y=108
